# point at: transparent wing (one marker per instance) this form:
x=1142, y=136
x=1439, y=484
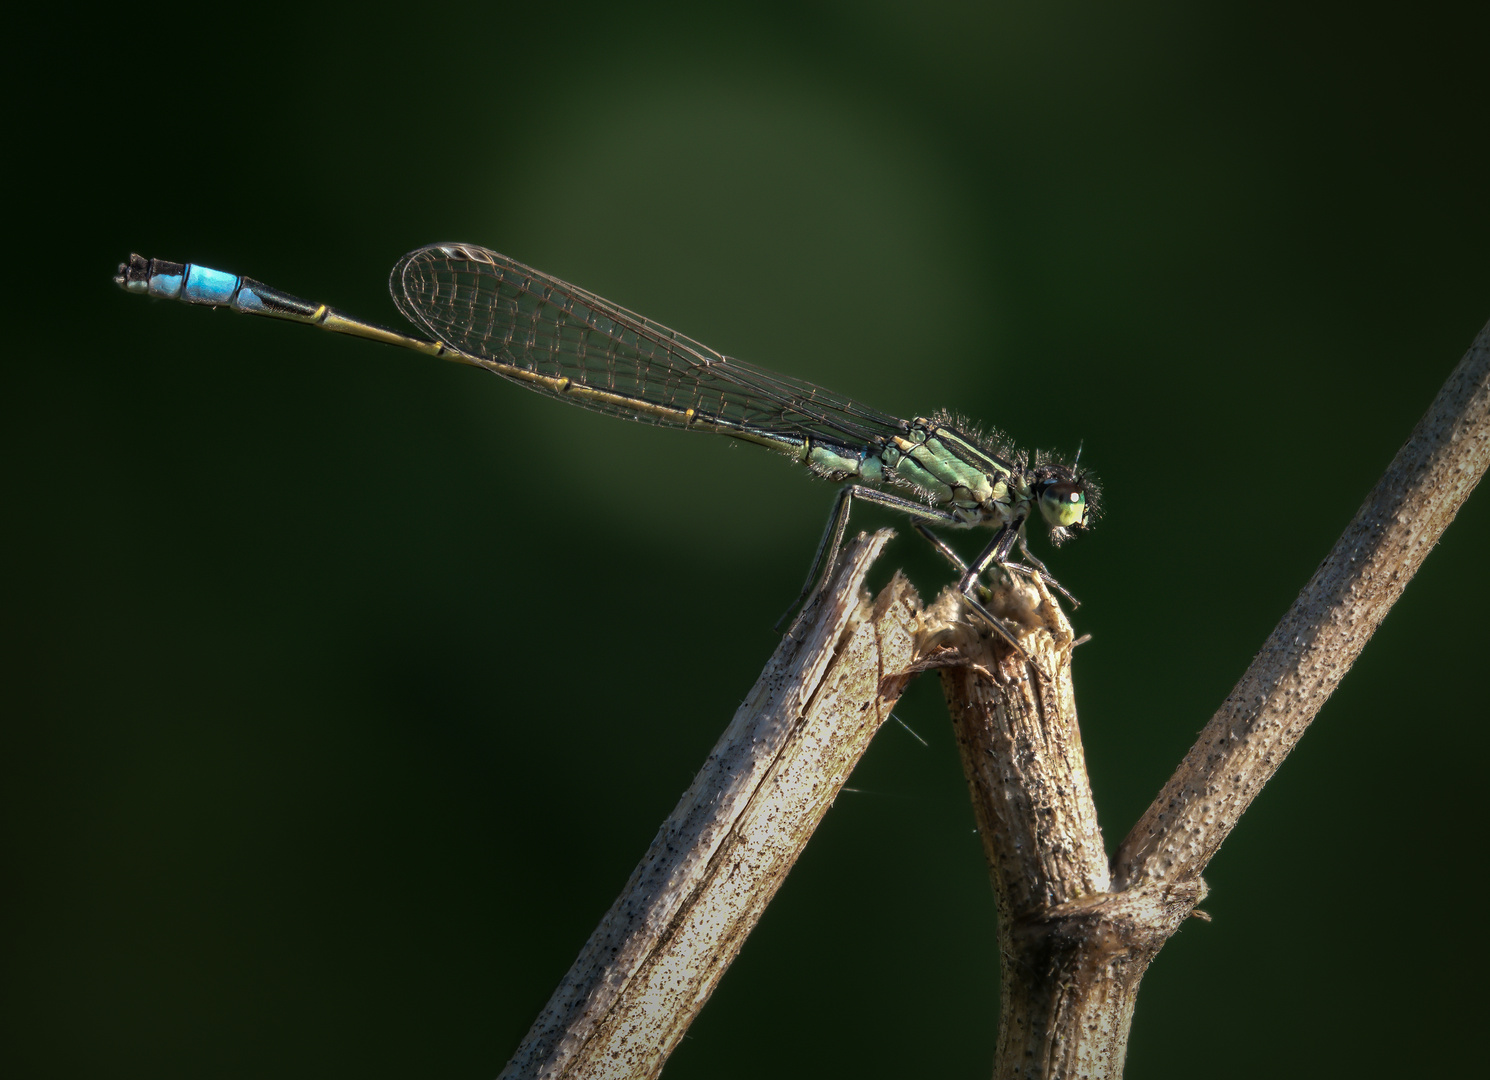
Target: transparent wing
x=492, y=307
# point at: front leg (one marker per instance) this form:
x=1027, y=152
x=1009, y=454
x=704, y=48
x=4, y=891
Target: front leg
x=969, y=581
x=995, y=554
x=1035, y=570
x=1045, y=574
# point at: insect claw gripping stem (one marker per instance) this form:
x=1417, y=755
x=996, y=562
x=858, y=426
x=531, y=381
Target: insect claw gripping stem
x=969, y=582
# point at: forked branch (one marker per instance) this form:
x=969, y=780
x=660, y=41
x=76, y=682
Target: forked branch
x=1076, y=935
x=1076, y=941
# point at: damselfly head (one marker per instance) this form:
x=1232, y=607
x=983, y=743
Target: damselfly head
x=1067, y=497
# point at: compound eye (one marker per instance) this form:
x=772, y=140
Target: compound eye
x=1063, y=504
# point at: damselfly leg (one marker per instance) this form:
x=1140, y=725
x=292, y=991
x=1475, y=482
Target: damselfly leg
x=831, y=542
x=1035, y=568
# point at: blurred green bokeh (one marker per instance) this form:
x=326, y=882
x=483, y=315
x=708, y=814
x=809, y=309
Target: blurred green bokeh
x=336, y=724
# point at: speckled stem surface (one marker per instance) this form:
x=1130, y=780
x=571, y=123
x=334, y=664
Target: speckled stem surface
x=719, y=858
x=1319, y=639
x=1072, y=950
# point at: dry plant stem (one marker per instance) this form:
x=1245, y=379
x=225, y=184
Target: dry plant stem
x=1072, y=952
x=1321, y=636
x=719, y=858
x=1075, y=940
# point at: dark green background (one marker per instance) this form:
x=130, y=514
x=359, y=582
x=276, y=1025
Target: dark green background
x=347, y=687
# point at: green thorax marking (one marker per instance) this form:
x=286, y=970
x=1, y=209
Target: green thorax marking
x=950, y=469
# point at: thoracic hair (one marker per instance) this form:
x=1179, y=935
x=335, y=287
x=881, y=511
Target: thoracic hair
x=990, y=441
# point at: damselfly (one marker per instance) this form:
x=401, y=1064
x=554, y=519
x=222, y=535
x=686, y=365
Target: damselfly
x=492, y=312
